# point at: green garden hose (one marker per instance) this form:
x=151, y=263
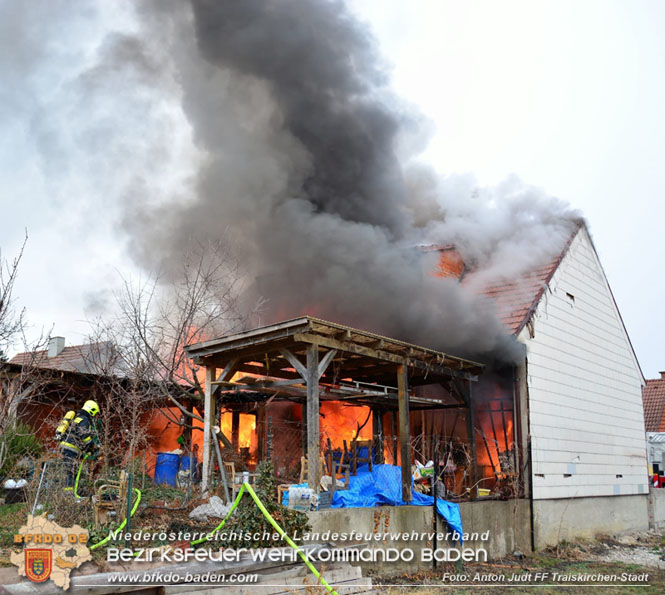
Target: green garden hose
x=124, y=522
x=78, y=476
x=273, y=522
x=245, y=487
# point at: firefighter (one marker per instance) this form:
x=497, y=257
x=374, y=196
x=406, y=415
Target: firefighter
x=80, y=438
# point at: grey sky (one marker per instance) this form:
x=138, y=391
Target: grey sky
x=567, y=95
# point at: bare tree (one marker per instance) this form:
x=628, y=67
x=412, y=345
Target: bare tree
x=138, y=355
x=160, y=317
x=18, y=383
x=12, y=321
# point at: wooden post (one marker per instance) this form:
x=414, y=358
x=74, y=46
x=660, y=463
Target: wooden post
x=235, y=429
x=404, y=430
x=377, y=434
x=393, y=418
x=435, y=480
x=303, y=425
x=313, y=446
x=471, y=431
x=187, y=430
x=208, y=414
x=261, y=432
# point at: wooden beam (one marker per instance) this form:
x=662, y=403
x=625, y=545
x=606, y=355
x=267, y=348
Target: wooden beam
x=313, y=446
x=377, y=434
x=251, y=340
x=235, y=429
x=404, y=431
x=295, y=362
x=471, y=431
x=261, y=384
x=303, y=436
x=208, y=414
x=426, y=366
x=325, y=361
x=261, y=431
x=228, y=371
x=276, y=371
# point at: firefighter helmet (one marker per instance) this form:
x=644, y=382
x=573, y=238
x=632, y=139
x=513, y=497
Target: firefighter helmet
x=91, y=407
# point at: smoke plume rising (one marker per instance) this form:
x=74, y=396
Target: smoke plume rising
x=305, y=169
x=305, y=160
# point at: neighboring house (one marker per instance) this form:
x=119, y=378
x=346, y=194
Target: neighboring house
x=580, y=391
x=653, y=397
x=64, y=377
x=89, y=358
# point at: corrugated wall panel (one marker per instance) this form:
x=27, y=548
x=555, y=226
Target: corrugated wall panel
x=585, y=396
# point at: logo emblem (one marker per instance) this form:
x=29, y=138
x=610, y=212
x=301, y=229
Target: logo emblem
x=38, y=564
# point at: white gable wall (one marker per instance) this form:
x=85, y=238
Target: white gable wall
x=585, y=387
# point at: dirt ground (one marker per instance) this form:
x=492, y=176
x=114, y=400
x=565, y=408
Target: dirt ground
x=633, y=563
x=636, y=562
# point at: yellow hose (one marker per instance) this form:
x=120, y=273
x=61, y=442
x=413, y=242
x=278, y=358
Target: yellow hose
x=273, y=522
x=78, y=476
x=124, y=522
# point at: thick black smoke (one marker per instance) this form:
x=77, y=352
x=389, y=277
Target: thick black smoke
x=303, y=165
x=322, y=71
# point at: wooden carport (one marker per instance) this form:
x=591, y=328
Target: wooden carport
x=315, y=360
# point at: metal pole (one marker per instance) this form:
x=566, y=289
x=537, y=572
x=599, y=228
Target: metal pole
x=128, y=527
x=471, y=429
x=220, y=462
x=503, y=419
x=191, y=472
x=39, y=488
x=489, y=410
x=435, y=479
x=489, y=454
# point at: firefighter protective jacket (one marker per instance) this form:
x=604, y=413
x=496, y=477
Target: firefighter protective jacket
x=81, y=436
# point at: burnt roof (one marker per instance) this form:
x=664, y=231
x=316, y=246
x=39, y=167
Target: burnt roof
x=359, y=365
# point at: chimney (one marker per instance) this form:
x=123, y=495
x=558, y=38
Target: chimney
x=55, y=346
x=662, y=375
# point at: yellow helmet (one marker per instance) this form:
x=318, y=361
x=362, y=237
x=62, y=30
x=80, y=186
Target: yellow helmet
x=91, y=407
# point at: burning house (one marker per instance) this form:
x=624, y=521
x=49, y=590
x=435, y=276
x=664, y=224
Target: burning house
x=580, y=420
x=494, y=348
x=562, y=428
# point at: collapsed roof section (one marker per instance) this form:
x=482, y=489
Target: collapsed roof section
x=354, y=365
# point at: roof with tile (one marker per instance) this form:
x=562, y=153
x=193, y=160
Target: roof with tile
x=514, y=299
x=90, y=358
x=653, y=399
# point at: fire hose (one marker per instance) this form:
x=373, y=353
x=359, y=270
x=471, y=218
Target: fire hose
x=245, y=487
x=78, y=475
x=273, y=522
x=124, y=522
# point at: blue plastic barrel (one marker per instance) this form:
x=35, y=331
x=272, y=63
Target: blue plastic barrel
x=184, y=462
x=166, y=469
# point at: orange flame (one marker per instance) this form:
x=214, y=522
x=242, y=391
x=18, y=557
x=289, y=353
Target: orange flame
x=246, y=428
x=340, y=422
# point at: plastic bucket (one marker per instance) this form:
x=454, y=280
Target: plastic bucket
x=166, y=468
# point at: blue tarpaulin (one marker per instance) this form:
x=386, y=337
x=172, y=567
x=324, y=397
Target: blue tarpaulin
x=383, y=485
